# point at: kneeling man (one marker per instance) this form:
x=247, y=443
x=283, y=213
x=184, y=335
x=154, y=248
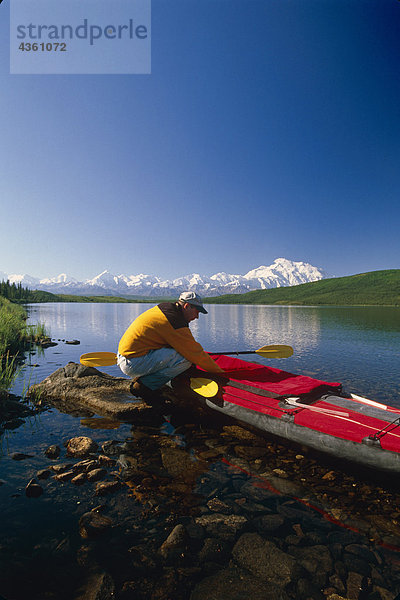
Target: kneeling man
x=159, y=345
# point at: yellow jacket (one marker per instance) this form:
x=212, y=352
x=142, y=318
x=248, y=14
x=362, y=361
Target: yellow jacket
x=164, y=326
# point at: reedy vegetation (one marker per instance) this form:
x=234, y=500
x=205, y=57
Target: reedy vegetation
x=15, y=337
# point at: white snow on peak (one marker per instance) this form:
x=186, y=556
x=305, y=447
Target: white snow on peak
x=281, y=273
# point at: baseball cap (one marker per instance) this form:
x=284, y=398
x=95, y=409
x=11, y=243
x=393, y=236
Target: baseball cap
x=193, y=299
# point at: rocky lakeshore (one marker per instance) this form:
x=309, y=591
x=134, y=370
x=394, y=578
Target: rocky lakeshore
x=185, y=507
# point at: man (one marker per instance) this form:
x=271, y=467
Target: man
x=159, y=345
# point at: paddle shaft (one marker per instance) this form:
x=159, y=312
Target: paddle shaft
x=238, y=352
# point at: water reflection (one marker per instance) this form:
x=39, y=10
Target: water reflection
x=358, y=346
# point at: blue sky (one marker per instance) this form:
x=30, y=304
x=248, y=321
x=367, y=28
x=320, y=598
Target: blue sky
x=267, y=128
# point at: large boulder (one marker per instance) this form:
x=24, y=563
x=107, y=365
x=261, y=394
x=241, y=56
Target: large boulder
x=76, y=386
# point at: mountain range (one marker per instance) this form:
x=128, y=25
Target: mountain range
x=281, y=273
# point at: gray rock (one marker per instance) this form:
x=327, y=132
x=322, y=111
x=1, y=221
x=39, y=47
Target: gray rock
x=224, y=527
x=236, y=584
x=265, y=560
x=75, y=386
x=175, y=544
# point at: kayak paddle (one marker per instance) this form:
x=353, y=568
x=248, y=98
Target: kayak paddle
x=98, y=359
x=107, y=359
x=273, y=351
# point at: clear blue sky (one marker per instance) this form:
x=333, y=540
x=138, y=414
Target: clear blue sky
x=268, y=128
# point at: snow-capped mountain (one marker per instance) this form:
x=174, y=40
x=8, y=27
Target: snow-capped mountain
x=282, y=273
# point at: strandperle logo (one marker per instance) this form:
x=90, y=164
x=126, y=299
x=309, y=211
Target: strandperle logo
x=85, y=31
x=51, y=37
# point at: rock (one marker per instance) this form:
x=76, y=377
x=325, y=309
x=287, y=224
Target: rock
x=61, y=468
x=175, y=544
x=96, y=474
x=265, y=560
x=314, y=559
x=43, y=474
x=99, y=586
x=66, y=476
x=250, y=452
x=384, y=593
x=112, y=448
x=216, y=505
x=52, y=451
x=106, y=461
x=353, y=585
x=75, y=386
x=85, y=465
x=221, y=526
x=214, y=550
x=93, y=524
x=33, y=489
x=179, y=463
x=79, y=479
x=270, y=524
x=20, y=456
x=72, y=342
x=241, y=433
x=236, y=584
x=81, y=446
x=106, y=487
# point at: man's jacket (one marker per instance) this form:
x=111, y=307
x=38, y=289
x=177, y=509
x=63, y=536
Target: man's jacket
x=164, y=326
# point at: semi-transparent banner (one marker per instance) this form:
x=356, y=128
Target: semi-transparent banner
x=80, y=36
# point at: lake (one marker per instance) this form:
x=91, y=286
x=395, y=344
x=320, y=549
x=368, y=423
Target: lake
x=42, y=554
x=358, y=346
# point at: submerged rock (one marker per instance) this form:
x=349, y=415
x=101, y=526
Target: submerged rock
x=81, y=446
x=33, y=489
x=52, y=451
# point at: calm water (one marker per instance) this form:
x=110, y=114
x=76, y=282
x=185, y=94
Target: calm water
x=360, y=347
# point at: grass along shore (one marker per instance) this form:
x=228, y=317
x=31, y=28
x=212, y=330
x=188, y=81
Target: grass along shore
x=16, y=336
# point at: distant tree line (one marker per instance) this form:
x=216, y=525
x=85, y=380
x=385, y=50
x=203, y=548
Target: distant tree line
x=13, y=291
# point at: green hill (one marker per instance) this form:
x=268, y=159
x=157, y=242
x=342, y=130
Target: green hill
x=374, y=288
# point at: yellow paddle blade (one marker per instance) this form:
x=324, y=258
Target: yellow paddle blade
x=275, y=351
x=98, y=359
x=205, y=387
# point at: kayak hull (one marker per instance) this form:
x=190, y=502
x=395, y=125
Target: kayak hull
x=367, y=453
x=309, y=412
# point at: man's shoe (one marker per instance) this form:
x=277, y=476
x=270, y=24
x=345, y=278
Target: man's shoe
x=139, y=390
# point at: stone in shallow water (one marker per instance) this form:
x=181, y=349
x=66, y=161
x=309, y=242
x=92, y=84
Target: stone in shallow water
x=236, y=584
x=33, y=489
x=81, y=446
x=52, y=451
x=93, y=524
x=265, y=560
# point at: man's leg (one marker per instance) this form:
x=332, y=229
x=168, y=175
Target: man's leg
x=156, y=368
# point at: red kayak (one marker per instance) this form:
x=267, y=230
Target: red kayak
x=310, y=412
